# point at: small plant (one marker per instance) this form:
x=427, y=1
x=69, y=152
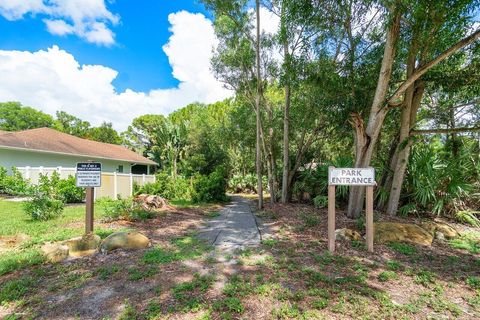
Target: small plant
x=403, y=248
x=425, y=277
x=310, y=220
x=473, y=282
x=468, y=217
x=42, y=206
x=319, y=304
x=320, y=202
x=124, y=209
x=385, y=276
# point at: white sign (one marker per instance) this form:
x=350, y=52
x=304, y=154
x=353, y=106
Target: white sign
x=351, y=176
x=89, y=174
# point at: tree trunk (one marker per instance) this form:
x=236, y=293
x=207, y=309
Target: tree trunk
x=286, y=143
x=257, y=108
x=409, y=115
x=366, y=138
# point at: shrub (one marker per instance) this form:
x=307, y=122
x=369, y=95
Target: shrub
x=210, y=188
x=43, y=206
x=168, y=187
x=243, y=183
x=69, y=192
x=13, y=184
x=123, y=209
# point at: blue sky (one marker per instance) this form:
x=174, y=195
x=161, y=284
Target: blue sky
x=137, y=54
x=105, y=60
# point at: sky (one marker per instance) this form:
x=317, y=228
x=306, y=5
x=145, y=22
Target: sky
x=104, y=60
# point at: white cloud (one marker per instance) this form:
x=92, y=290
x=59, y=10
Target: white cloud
x=87, y=19
x=53, y=80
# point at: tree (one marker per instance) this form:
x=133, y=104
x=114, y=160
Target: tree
x=15, y=117
x=70, y=124
x=104, y=133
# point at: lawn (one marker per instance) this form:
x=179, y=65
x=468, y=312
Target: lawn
x=290, y=276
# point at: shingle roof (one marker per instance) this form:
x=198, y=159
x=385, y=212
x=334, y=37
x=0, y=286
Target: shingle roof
x=53, y=141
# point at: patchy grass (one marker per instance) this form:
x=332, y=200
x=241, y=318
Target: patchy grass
x=290, y=276
x=469, y=241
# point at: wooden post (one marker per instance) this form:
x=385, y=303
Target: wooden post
x=89, y=210
x=369, y=213
x=331, y=218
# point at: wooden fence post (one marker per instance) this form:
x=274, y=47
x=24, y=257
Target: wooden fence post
x=331, y=218
x=369, y=218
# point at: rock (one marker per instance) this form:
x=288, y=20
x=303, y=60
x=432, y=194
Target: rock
x=55, y=252
x=124, y=240
x=434, y=227
x=347, y=234
x=439, y=236
x=401, y=232
x=150, y=202
x=83, y=246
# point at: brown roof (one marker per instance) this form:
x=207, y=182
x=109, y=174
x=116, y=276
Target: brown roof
x=53, y=141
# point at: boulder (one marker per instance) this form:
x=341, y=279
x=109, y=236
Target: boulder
x=83, y=246
x=401, y=232
x=435, y=227
x=124, y=240
x=347, y=234
x=55, y=252
x=150, y=202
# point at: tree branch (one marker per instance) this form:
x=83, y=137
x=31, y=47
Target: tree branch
x=393, y=101
x=447, y=130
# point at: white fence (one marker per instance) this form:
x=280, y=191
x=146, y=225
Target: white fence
x=113, y=184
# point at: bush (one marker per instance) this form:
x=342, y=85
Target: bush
x=69, y=192
x=168, y=187
x=13, y=184
x=243, y=183
x=126, y=209
x=43, y=206
x=210, y=188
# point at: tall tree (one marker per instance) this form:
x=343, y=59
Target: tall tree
x=15, y=117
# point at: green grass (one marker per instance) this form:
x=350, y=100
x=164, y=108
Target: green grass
x=182, y=249
x=16, y=222
x=403, y=248
x=385, y=276
x=469, y=241
x=15, y=289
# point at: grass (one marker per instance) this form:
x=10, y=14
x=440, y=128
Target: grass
x=469, y=241
x=403, y=248
x=16, y=222
x=182, y=248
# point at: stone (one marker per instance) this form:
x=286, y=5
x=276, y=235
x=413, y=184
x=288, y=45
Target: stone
x=55, y=252
x=124, y=240
x=347, y=234
x=434, y=227
x=83, y=246
x=150, y=202
x=439, y=236
x=401, y=232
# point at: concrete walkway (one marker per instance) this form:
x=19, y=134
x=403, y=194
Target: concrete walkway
x=235, y=227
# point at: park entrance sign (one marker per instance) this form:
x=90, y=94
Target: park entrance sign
x=89, y=176
x=350, y=177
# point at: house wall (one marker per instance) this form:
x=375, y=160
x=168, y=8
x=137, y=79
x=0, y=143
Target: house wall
x=19, y=158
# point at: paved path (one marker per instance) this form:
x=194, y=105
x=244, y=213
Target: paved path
x=234, y=228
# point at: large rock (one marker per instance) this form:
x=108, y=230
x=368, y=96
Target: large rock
x=347, y=234
x=440, y=229
x=83, y=246
x=401, y=232
x=124, y=240
x=150, y=202
x=55, y=252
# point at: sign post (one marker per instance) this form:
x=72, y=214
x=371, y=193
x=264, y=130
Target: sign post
x=350, y=177
x=89, y=176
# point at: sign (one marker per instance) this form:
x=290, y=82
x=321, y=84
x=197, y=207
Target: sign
x=89, y=174
x=351, y=176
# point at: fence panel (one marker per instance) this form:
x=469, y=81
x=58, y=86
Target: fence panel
x=113, y=183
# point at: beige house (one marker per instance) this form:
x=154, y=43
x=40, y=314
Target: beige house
x=45, y=150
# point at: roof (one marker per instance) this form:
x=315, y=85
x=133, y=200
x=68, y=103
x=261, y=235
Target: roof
x=53, y=141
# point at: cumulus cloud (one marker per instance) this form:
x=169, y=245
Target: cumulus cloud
x=87, y=19
x=54, y=80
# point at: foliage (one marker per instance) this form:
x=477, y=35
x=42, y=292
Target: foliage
x=127, y=209
x=168, y=187
x=68, y=190
x=14, y=183
x=15, y=117
x=438, y=184
x=468, y=217
x=243, y=183
x=43, y=206
x=210, y=188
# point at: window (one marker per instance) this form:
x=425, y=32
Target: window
x=120, y=169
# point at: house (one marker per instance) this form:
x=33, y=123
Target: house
x=45, y=147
